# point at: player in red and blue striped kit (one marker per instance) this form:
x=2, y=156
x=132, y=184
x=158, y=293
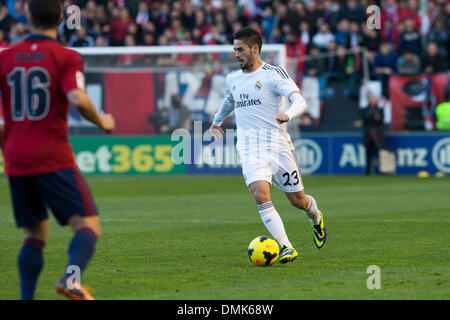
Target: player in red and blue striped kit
x=39, y=79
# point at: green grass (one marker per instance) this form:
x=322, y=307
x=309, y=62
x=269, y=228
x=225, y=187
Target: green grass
x=186, y=237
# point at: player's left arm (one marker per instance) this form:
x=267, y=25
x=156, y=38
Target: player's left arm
x=285, y=86
x=73, y=85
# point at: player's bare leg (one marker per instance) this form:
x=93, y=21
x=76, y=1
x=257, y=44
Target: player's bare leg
x=39, y=231
x=309, y=206
x=78, y=222
x=271, y=219
x=30, y=259
x=81, y=249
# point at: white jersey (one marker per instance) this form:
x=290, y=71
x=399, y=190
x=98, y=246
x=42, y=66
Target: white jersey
x=257, y=97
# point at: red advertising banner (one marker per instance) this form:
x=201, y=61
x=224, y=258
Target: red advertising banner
x=413, y=92
x=130, y=98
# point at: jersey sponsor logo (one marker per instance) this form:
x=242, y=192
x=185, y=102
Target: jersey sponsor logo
x=440, y=155
x=258, y=85
x=245, y=101
x=248, y=103
x=309, y=155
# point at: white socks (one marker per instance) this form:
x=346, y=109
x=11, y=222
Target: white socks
x=312, y=212
x=273, y=223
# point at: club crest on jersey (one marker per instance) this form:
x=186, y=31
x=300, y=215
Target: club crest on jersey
x=258, y=85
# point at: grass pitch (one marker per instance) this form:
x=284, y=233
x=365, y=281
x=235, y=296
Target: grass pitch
x=186, y=237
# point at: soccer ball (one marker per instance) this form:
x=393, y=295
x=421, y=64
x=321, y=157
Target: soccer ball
x=263, y=251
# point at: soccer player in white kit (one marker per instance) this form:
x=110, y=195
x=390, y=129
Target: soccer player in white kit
x=265, y=148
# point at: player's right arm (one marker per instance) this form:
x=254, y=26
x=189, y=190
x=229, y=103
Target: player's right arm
x=224, y=111
x=79, y=99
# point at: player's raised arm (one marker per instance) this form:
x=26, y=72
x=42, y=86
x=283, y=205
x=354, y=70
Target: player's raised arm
x=84, y=105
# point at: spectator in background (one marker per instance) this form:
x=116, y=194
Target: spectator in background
x=389, y=11
x=267, y=22
x=331, y=12
x=3, y=42
x=408, y=64
x=18, y=33
x=201, y=22
x=305, y=34
x=355, y=36
x=343, y=33
x=332, y=55
x=439, y=34
x=373, y=130
x=162, y=18
x=163, y=60
x=290, y=16
x=188, y=15
x=410, y=39
x=143, y=14
x=384, y=65
x=214, y=36
x=6, y=21
x=323, y=37
x=433, y=61
x=149, y=39
x=371, y=40
x=352, y=11
x=19, y=12
x=314, y=66
x=129, y=59
x=390, y=32
x=447, y=17
x=343, y=65
x=81, y=39
x=197, y=38
x=408, y=9
x=160, y=120
x=119, y=27
x=179, y=114
x=443, y=113
x=101, y=41
x=313, y=12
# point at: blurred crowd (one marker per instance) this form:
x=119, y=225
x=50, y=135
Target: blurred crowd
x=413, y=35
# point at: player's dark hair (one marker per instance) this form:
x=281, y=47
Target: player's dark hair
x=249, y=36
x=46, y=14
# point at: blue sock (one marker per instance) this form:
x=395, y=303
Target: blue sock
x=30, y=262
x=82, y=248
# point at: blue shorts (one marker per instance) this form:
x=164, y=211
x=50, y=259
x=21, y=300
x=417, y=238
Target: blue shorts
x=65, y=192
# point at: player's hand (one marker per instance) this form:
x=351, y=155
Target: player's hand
x=216, y=131
x=281, y=118
x=107, y=122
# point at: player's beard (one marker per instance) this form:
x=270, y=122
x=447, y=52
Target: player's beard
x=248, y=65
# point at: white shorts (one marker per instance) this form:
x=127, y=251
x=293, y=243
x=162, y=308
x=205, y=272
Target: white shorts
x=281, y=167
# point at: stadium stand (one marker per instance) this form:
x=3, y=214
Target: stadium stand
x=325, y=40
